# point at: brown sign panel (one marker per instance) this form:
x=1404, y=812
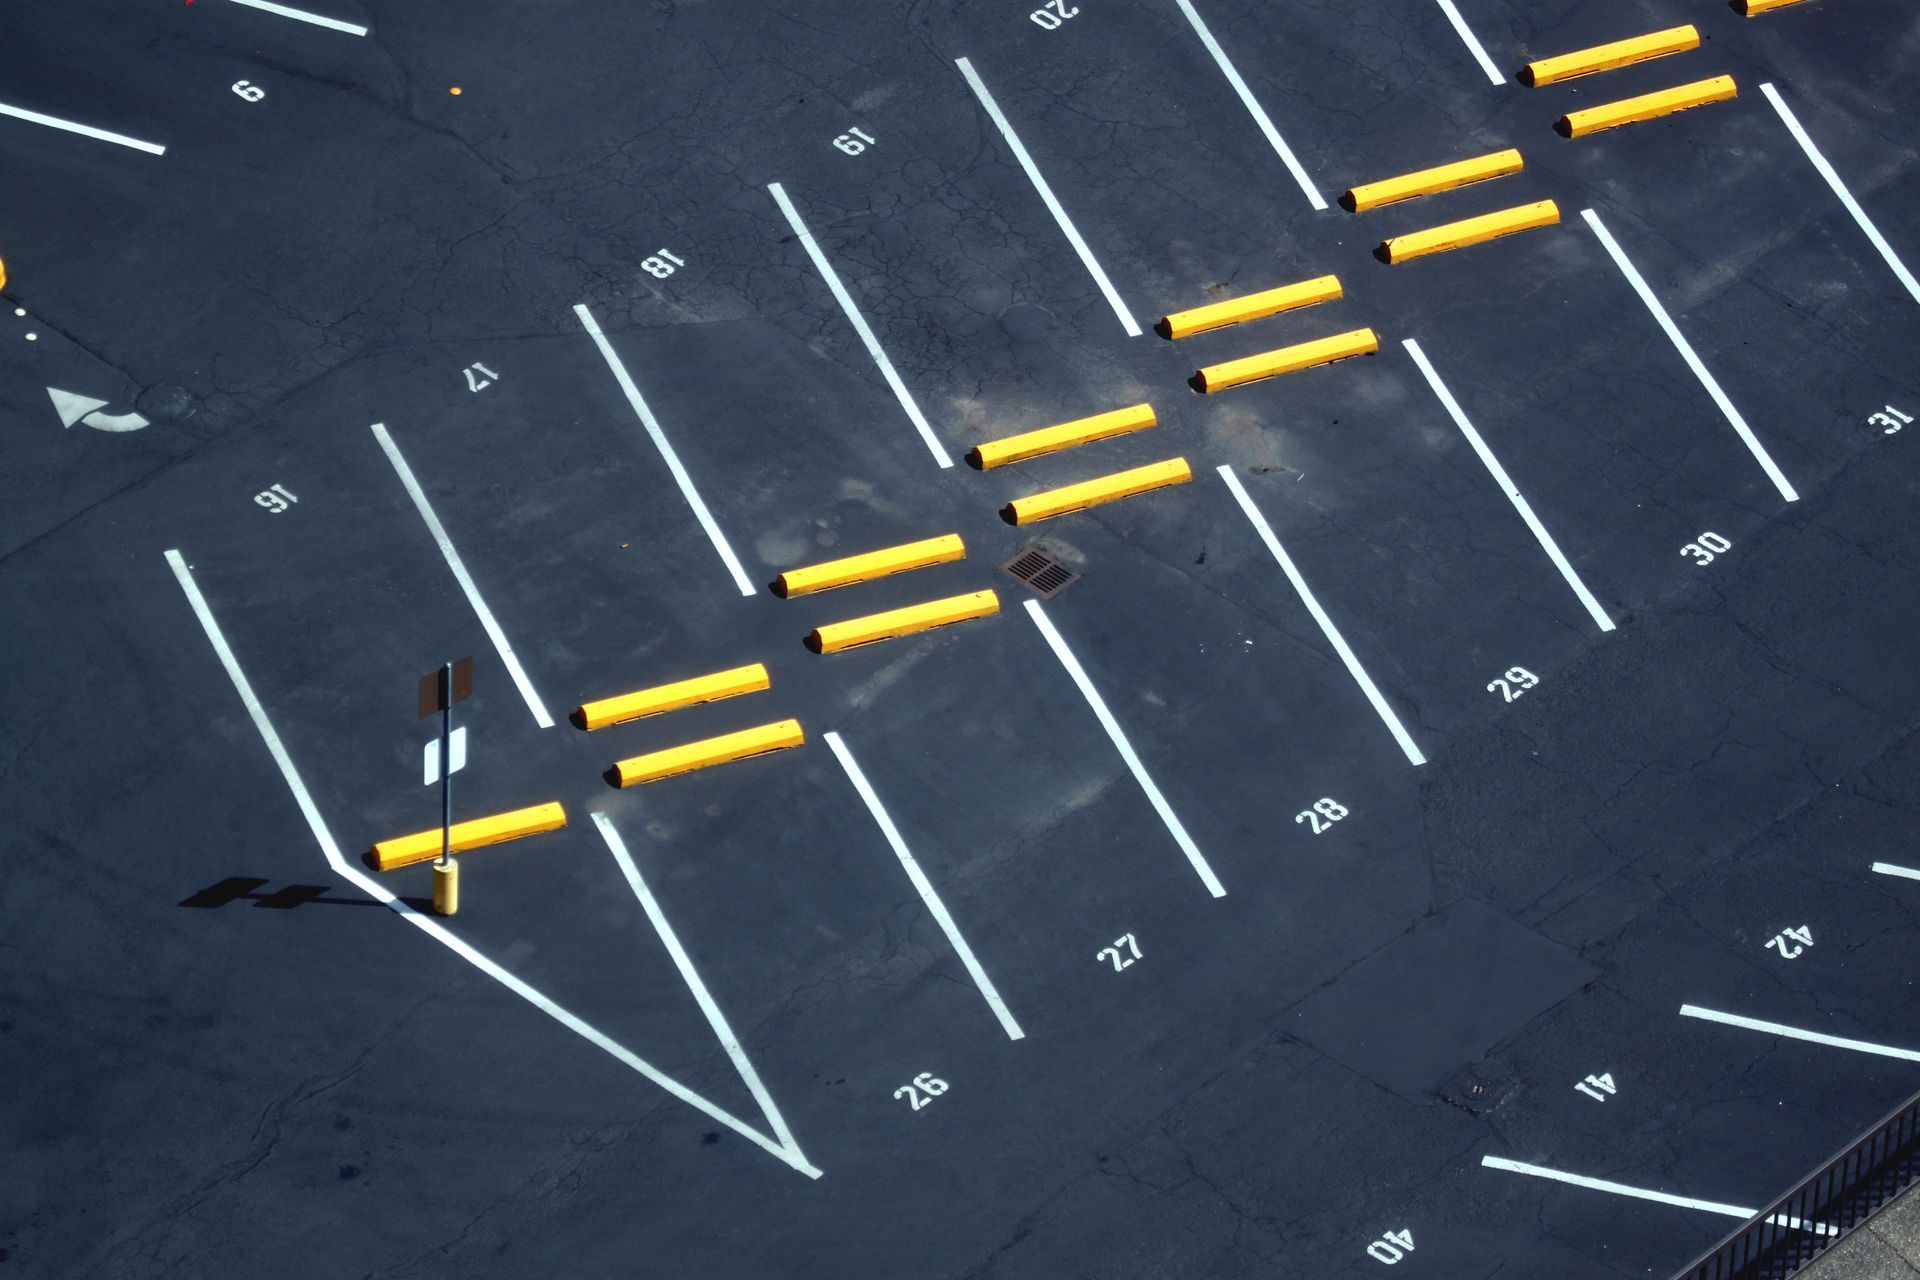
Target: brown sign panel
x=436, y=696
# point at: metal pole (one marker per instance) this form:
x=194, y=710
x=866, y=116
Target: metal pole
x=446, y=763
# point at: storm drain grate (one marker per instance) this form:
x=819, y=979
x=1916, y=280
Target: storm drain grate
x=1042, y=571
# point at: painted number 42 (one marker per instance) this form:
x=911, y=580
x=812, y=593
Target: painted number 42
x=1325, y=813
x=1391, y=1247
x=925, y=1088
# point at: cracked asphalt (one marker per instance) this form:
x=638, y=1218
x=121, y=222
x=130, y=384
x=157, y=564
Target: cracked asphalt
x=200, y=1084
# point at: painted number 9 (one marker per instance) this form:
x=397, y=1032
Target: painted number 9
x=248, y=90
x=1051, y=14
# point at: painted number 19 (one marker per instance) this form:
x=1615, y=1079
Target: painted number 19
x=853, y=141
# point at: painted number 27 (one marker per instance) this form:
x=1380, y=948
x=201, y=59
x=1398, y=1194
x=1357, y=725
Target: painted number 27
x=925, y=1088
x=661, y=265
x=1051, y=14
x=1516, y=682
x=1113, y=953
x=1325, y=813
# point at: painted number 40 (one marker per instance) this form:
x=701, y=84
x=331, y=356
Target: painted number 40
x=1391, y=1247
x=1325, y=813
x=1051, y=14
x=925, y=1088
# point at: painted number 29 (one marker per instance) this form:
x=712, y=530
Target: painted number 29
x=1325, y=813
x=1391, y=1247
x=1889, y=420
x=1516, y=682
x=925, y=1088
x=1706, y=547
x=661, y=265
x=1051, y=14
x=853, y=141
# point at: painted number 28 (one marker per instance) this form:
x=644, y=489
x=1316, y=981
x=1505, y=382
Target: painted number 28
x=1051, y=14
x=1324, y=814
x=925, y=1088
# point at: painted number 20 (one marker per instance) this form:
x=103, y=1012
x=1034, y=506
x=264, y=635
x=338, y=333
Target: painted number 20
x=1516, y=682
x=1704, y=548
x=1324, y=814
x=1051, y=14
x=925, y=1088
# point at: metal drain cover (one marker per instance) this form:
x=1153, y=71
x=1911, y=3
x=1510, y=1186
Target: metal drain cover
x=1045, y=573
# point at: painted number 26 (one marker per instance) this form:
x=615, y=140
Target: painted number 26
x=1324, y=814
x=925, y=1088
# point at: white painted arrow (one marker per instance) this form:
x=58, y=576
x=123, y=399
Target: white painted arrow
x=77, y=408
x=71, y=407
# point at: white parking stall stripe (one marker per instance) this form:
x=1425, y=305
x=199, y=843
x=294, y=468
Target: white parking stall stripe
x=860, y=326
x=1472, y=42
x=1046, y=194
x=1641, y=1193
x=1252, y=104
x=1332, y=633
x=1797, y=1033
x=1890, y=869
x=301, y=15
x=1686, y=351
x=1840, y=189
x=85, y=130
x=460, y=574
x=1507, y=486
x=924, y=887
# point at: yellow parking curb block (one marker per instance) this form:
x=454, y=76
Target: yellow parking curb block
x=475, y=833
x=1426, y=182
x=1031, y=444
x=1754, y=7
x=671, y=697
x=1606, y=57
x=1254, y=306
x=1303, y=355
x=874, y=564
x=1648, y=106
x=836, y=636
x=707, y=752
x=1455, y=235
x=1091, y=493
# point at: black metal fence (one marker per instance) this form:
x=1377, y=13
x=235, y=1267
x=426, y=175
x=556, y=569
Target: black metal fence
x=1828, y=1203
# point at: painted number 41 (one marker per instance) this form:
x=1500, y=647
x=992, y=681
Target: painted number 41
x=1391, y=1247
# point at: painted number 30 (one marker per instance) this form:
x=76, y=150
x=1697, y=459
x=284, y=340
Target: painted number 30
x=1706, y=547
x=1324, y=814
x=1051, y=14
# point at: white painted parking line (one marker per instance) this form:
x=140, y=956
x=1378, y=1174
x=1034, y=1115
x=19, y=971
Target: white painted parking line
x=85, y=130
x=715, y=1019
x=672, y=459
x=1046, y=194
x=431, y=927
x=859, y=323
x=1472, y=42
x=1658, y=1197
x=1125, y=748
x=1798, y=1033
x=301, y=15
x=1507, y=486
x=1840, y=189
x=1252, y=104
x=1686, y=351
x=487, y=620
x=925, y=889
x=1889, y=869
x=1332, y=633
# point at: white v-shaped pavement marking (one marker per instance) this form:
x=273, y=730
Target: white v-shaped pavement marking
x=786, y=1151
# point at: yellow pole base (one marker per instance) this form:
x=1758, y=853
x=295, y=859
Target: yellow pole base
x=446, y=888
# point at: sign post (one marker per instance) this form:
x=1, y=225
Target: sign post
x=439, y=690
